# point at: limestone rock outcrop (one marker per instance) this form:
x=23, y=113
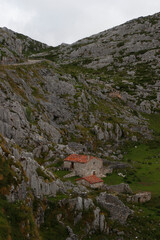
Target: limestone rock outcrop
x=99, y=222
x=141, y=197
x=116, y=207
x=119, y=188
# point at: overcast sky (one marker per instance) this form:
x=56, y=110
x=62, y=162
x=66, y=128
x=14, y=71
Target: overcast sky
x=58, y=21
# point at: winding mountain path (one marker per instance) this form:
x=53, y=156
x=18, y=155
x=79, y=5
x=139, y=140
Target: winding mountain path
x=29, y=62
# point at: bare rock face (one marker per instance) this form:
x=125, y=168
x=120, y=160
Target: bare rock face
x=88, y=203
x=13, y=122
x=99, y=49
x=16, y=45
x=117, y=209
x=77, y=218
x=140, y=197
x=119, y=188
x=37, y=183
x=18, y=193
x=72, y=236
x=99, y=222
x=39, y=216
x=78, y=204
x=50, y=130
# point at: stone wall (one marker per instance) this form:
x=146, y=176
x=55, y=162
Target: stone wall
x=94, y=166
x=67, y=164
x=87, y=169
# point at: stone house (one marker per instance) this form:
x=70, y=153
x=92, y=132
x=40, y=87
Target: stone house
x=90, y=181
x=83, y=165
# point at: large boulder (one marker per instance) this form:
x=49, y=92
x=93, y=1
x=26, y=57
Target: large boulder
x=119, y=188
x=116, y=207
x=140, y=197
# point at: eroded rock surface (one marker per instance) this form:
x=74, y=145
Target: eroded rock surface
x=116, y=207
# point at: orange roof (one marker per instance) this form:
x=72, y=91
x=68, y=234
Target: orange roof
x=80, y=158
x=91, y=179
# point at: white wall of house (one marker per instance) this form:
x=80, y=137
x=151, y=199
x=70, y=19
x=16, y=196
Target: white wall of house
x=67, y=164
x=92, y=167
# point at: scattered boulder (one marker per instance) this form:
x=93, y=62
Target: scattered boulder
x=140, y=197
x=79, y=204
x=116, y=207
x=119, y=188
x=107, y=170
x=116, y=164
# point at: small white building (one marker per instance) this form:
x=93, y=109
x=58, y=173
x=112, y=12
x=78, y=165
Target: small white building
x=84, y=165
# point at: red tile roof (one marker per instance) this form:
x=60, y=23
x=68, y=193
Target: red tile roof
x=91, y=179
x=80, y=158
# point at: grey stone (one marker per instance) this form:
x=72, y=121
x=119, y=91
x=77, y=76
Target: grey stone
x=1, y=151
x=77, y=218
x=134, y=139
x=88, y=203
x=99, y=132
x=16, y=154
x=77, y=147
x=99, y=222
x=72, y=236
x=37, y=183
x=140, y=197
x=39, y=216
x=102, y=223
x=117, y=209
x=120, y=188
x=18, y=193
x=79, y=204
x=50, y=130
x=96, y=218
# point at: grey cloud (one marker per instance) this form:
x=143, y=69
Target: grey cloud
x=54, y=22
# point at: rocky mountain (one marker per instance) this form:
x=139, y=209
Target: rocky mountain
x=15, y=47
x=99, y=96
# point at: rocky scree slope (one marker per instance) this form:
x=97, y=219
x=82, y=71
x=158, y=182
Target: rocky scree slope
x=131, y=43
x=36, y=198
x=92, y=97
x=127, y=54
x=68, y=100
